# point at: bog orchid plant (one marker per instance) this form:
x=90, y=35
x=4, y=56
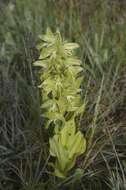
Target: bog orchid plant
x=61, y=99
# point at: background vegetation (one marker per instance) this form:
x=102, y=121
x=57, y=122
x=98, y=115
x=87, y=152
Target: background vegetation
x=100, y=29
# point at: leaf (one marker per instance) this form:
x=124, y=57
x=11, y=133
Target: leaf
x=78, y=145
x=54, y=146
x=48, y=104
x=48, y=37
x=73, y=61
x=66, y=146
x=67, y=132
x=40, y=63
x=70, y=46
x=58, y=173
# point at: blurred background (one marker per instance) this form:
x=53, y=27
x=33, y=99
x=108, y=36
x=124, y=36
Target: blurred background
x=99, y=26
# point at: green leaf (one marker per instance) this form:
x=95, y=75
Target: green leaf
x=70, y=46
x=77, y=145
x=40, y=63
x=66, y=146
